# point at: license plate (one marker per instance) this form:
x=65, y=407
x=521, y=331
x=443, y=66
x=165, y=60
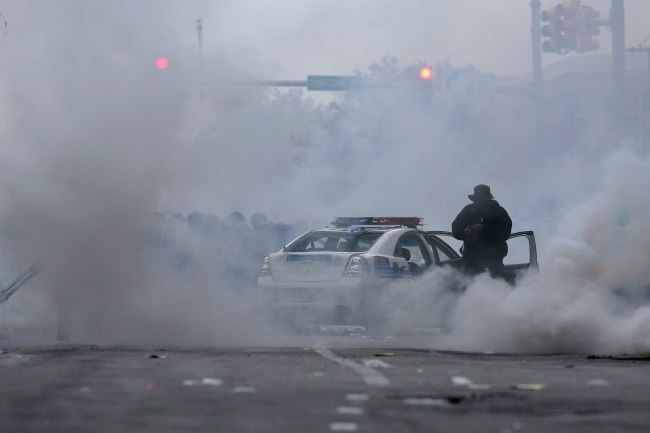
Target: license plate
x=301, y=296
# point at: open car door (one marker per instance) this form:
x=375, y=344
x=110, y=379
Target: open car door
x=522, y=251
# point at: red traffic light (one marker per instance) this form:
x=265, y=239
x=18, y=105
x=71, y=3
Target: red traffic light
x=426, y=73
x=162, y=63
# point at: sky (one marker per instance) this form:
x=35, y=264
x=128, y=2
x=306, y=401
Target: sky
x=291, y=39
x=93, y=138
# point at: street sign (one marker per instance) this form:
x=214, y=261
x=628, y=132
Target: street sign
x=333, y=82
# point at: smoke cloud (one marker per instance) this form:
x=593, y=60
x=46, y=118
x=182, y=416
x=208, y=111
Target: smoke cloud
x=94, y=139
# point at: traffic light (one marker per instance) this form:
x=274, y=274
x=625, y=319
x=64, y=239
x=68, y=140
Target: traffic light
x=162, y=63
x=553, y=30
x=571, y=27
x=426, y=73
x=571, y=24
x=590, y=29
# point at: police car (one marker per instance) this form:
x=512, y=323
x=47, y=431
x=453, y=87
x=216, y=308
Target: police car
x=336, y=272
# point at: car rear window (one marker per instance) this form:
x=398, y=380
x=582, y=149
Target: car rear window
x=343, y=242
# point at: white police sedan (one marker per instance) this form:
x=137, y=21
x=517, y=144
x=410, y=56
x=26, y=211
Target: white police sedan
x=335, y=273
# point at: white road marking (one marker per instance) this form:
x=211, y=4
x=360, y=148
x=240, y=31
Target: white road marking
x=349, y=410
x=344, y=426
x=372, y=377
x=376, y=363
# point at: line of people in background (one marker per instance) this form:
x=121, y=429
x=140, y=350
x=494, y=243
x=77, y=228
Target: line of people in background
x=231, y=247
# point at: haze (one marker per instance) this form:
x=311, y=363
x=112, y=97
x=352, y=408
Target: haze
x=94, y=138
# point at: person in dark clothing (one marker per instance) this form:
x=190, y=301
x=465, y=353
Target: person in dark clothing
x=484, y=227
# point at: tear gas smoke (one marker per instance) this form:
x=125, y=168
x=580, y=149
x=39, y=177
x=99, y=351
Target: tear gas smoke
x=94, y=144
x=87, y=154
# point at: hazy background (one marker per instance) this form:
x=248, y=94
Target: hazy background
x=94, y=138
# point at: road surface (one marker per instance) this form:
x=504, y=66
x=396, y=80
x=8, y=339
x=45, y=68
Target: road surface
x=320, y=384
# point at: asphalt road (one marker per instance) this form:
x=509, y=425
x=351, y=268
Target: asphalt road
x=350, y=383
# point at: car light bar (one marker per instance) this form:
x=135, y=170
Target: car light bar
x=377, y=221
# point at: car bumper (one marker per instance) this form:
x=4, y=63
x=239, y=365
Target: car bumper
x=347, y=301
x=345, y=291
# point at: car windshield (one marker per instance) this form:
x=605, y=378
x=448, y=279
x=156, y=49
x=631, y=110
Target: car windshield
x=329, y=241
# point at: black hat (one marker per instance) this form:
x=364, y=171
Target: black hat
x=481, y=191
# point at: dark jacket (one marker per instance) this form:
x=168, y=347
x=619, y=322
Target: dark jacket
x=490, y=243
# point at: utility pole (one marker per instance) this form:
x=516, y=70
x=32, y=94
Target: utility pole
x=617, y=26
x=538, y=79
x=199, y=31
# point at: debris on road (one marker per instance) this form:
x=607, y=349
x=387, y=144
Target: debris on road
x=427, y=401
x=597, y=382
x=349, y=410
x=344, y=426
x=317, y=374
x=528, y=386
x=206, y=381
x=244, y=390
x=463, y=381
x=384, y=354
x=157, y=356
x=357, y=397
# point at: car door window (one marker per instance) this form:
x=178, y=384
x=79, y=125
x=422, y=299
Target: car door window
x=518, y=251
x=442, y=251
x=334, y=242
x=363, y=243
x=316, y=244
x=313, y=242
x=416, y=250
x=442, y=256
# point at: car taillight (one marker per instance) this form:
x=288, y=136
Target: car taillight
x=357, y=267
x=266, y=267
